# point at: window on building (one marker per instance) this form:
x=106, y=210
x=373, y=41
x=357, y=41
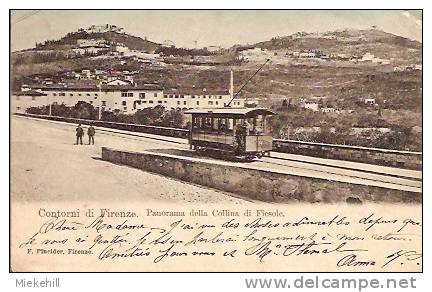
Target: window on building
x=70, y=94
x=95, y=97
x=178, y=101
x=217, y=103
x=124, y=94
x=170, y=96
x=165, y=96
x=220, y=96
x=197, y=102
x=155, y=94
x=79, y=94
x=103, y=103
x=210, y=102
x=150, y=101
x=96, y=94
x=33, y=97
x=18, y=108
x=165, y=101
x=88, y=94
x=142, y=95
x=62, y=94
x=204, y=96
x=54, y=94
x=130, y=94
x=159, y=101
x=91, y=101
x=125, y=108
x=193, y=96
x=184, y=102
x=176, y=96
x=124, y=102
x=182, y=96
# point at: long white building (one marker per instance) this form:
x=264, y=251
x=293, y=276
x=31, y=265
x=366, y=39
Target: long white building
x=120, y=98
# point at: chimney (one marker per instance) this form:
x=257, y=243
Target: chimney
x=231, y=90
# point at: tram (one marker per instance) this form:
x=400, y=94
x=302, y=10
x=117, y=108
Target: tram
x=231, y=133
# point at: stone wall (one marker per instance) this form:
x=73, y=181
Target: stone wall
x=255, y=184
x=155, y=130
x=394, y=158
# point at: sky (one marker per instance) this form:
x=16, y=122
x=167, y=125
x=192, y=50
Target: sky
x=190, y=28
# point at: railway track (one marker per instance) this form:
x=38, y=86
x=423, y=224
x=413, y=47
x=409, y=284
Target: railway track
x=340, y=171
x=357, y=172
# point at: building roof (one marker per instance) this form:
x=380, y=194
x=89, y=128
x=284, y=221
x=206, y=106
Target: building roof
x=229, y=111
x=29, y=93
x=196, y=91
x=94, y=87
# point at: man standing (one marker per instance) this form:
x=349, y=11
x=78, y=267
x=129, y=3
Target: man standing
x=79, y=134
x=91, y=132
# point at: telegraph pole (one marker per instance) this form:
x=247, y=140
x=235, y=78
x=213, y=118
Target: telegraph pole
x=100, y=101
x=49, y=105
x=250, y=78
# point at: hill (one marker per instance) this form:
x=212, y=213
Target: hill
x=285, y=77
x=350, y=42
x=70, y=40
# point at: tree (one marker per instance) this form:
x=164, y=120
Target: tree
x=84, y=110
x=173, y=118
x=60, y=110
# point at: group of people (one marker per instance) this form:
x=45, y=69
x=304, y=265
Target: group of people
x=80, y=133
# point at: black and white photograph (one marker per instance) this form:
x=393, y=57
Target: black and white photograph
x=216, y=141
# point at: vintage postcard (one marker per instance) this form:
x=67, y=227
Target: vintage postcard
x=216, y=141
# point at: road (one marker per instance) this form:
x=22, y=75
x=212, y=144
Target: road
x=47, y=166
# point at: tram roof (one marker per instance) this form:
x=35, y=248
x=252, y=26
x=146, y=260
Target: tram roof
x=229, y=111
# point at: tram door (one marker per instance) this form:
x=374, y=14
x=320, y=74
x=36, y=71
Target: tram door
x=240, y=136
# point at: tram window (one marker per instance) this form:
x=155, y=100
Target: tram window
x=259, y=125
x=229, y=124
x=215, y=124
